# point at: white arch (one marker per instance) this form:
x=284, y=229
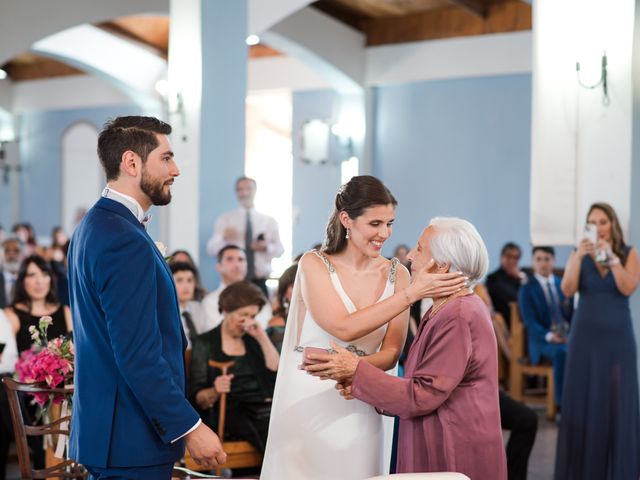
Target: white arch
x=82, y=177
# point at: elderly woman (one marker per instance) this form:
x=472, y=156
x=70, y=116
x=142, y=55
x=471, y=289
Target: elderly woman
x=448, y=400
x=250, y=381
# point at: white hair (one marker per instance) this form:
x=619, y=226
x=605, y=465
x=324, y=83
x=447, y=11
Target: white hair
x=457, y=242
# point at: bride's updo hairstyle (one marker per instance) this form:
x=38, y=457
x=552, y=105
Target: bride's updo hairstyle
x=354, y=197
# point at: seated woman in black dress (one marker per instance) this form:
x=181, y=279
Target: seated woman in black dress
x=249, y=384
x=34, y=297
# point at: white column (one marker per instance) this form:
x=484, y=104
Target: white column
x=581, y=141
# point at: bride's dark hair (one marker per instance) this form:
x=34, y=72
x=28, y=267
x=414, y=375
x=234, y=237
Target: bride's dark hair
x=354, y=197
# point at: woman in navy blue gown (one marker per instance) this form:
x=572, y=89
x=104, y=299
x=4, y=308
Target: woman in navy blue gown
x=599, y=434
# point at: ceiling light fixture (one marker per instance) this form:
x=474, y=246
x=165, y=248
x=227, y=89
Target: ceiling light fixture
x=253, y=40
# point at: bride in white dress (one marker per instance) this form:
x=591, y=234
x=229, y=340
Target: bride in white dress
x=347, y=293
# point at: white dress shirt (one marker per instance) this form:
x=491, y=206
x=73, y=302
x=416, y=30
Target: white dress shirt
x=544, y=281
x=260, y=224
x=214, y=317
x=201, y=321
x=9, y=356
x=129, y=202
x=9, y=281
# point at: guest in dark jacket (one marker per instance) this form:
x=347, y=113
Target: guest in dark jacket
x=504, y=283
x=250, y=380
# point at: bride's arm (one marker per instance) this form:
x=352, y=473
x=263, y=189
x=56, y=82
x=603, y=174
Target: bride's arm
x=330, y=313
x=394, y=339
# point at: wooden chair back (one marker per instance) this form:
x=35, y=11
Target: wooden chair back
x=240, y=453
x=63, y=469
x=519, y=367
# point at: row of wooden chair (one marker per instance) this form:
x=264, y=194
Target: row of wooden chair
x=240, y=454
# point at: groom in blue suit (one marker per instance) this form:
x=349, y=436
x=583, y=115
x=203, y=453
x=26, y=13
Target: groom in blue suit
x=131, y=418
x=546, y=314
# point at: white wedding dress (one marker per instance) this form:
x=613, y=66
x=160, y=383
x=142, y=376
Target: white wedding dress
x=314, y=433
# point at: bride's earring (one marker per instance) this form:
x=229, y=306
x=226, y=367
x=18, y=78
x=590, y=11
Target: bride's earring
x=347, y=235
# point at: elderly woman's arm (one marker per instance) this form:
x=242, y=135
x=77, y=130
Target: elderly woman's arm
x=436, y=376
x=271, y=355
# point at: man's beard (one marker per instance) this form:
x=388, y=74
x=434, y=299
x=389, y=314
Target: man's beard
x=12, y=266
x=153, y=188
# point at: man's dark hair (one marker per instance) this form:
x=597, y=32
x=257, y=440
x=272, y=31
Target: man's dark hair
x=510, y=246
x=243, y=178
x=183, y=267
x=135, y=133
x=225, y=249
x=550, y=250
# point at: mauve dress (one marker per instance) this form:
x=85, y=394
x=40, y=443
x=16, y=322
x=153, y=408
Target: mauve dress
x=448, y=399
x=599, y=437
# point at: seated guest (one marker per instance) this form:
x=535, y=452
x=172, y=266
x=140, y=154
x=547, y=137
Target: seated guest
x=276, y=325
x=546, y=313
x=400, y=252
x=34, y=297
x=12, y=255
x=232, y=267
x=8, y=358
x=182, y=256
x=504, y=283
x=448, y=400
x=192, y=313
x=251, y=380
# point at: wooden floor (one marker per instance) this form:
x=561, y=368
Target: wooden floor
x=540, y=464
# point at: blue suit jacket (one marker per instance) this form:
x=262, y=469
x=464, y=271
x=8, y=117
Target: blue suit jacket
x=129, y=401
x=536, y=316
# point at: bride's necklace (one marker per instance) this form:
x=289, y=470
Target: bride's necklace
x=437, y=307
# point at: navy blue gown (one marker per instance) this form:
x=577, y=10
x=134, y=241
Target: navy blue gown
x=599, y=437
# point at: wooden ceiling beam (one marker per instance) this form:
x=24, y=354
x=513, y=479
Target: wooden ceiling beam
x=447, y=23
x=476, y=7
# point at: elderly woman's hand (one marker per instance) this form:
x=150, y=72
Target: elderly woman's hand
x=434, y=285
x=222, y=383
x=253, y=328
x=339, y=366
x=344, y=390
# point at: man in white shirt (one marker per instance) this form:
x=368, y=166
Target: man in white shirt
x=232, y=267
x=546, y=313
x=195, y=320
x=12, y=254
x=251, y=230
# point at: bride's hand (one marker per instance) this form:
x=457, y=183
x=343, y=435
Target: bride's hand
x=345, y=391
x=434, y=285
x=339, y=366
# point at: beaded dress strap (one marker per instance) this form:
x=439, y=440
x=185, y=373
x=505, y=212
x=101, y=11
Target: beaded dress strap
x=393, y=270
x=326, y=261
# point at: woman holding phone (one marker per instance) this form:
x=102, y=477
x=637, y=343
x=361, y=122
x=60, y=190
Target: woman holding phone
x=599, y=434
x=350, y=294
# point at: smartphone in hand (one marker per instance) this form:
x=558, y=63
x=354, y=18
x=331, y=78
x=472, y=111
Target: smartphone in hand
x=305, y=355
x=590, y=233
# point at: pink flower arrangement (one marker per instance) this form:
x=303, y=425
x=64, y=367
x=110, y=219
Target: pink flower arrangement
x=50, y=363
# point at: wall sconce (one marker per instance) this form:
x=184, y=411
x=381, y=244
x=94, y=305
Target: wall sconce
x=603, y=79
x=5, y=166
x=314, y=142
x=173, y=103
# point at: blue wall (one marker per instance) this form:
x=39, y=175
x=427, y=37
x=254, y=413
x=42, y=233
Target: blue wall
x=458, y=148
x=314, y=186
x=40, y=154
